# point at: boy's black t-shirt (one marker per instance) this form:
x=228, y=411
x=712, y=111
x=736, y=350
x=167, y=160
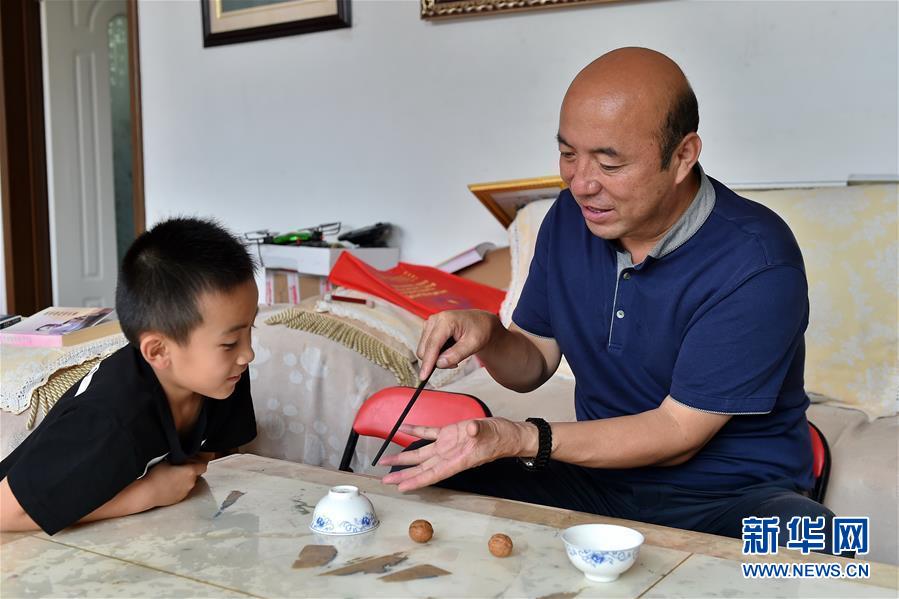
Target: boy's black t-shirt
x=107, y=431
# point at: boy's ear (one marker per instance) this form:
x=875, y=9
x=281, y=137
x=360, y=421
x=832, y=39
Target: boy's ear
x=155, y=350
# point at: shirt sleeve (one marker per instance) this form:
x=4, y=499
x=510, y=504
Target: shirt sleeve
x=532, y=311
x=736, y=354
x=233, y=421
x=76, y=463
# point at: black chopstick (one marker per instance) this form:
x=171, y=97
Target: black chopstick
x=449, y=343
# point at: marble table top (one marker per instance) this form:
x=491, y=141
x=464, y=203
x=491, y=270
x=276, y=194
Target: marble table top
x=251, y=548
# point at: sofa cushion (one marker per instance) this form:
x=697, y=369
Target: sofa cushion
x=522, y=241
x=864, y=473
x=850, y=242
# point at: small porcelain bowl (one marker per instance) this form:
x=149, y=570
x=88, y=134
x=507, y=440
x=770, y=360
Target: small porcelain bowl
x=602, y=551
x=343, y=511
x=347, y=546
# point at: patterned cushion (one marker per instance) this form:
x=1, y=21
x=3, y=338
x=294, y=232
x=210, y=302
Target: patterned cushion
x=522, y=241
x=850, y=242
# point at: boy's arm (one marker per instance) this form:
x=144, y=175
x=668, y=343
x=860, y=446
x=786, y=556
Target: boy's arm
x=12, y=517
x=164, y=485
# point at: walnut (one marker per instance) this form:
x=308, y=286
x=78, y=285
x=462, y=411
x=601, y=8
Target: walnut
x=421, y=531
x=500, y=545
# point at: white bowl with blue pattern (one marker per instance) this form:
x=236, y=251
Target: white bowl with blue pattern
x=602, y=551
x=344, y=511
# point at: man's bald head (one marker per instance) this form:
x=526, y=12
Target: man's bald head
x=640, y=81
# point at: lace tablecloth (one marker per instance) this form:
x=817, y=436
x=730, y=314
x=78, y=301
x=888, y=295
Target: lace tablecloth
x=24, y=369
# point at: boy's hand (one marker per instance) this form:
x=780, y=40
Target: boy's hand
x=170, y=484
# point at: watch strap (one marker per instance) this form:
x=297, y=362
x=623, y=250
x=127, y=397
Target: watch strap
x=544, y=445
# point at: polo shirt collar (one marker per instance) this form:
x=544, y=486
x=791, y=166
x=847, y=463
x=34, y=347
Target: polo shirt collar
x=686, y=226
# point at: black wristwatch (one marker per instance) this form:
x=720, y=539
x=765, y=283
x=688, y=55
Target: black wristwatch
x=544, y=446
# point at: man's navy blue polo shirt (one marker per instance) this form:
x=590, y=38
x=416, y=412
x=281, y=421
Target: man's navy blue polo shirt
x=713, y=317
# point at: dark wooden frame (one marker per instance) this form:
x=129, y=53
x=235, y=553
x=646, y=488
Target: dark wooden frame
x=338, y=21
x=23, y=154
x=26, y=230
x=137, y=122
x=446, y=9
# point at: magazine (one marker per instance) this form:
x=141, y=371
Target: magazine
x=59, y=327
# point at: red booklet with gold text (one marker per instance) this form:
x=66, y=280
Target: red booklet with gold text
x=423, y=290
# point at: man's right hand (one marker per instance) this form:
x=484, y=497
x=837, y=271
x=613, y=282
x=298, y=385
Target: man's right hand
x=170, y=484
x=471, y=329
x=513, y=357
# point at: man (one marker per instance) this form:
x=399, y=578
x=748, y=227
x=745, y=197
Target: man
x=681, y=308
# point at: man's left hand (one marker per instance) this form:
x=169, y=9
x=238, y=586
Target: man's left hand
x=456, y=447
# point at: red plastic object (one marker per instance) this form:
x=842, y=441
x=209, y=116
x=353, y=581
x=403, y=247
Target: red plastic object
x=819, y=454
x=820, y=462
x=378, y=414
x=432, y=408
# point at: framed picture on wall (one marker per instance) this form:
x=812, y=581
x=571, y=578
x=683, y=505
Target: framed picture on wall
x=438, y=9
x=233, y=21
x=504, y=198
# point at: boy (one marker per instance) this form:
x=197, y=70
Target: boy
x=133, y=433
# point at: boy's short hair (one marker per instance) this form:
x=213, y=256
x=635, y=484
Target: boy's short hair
x=166, y=270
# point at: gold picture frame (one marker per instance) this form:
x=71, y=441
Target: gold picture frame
x=440, y=9
x=505, y=198
x=234, y=21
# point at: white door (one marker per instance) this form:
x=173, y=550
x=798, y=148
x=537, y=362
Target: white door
x=79, y=150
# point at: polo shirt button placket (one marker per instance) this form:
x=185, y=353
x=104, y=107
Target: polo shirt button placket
x=626, y=275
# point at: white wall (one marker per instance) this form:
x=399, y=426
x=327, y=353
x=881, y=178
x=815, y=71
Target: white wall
x=389, y=120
